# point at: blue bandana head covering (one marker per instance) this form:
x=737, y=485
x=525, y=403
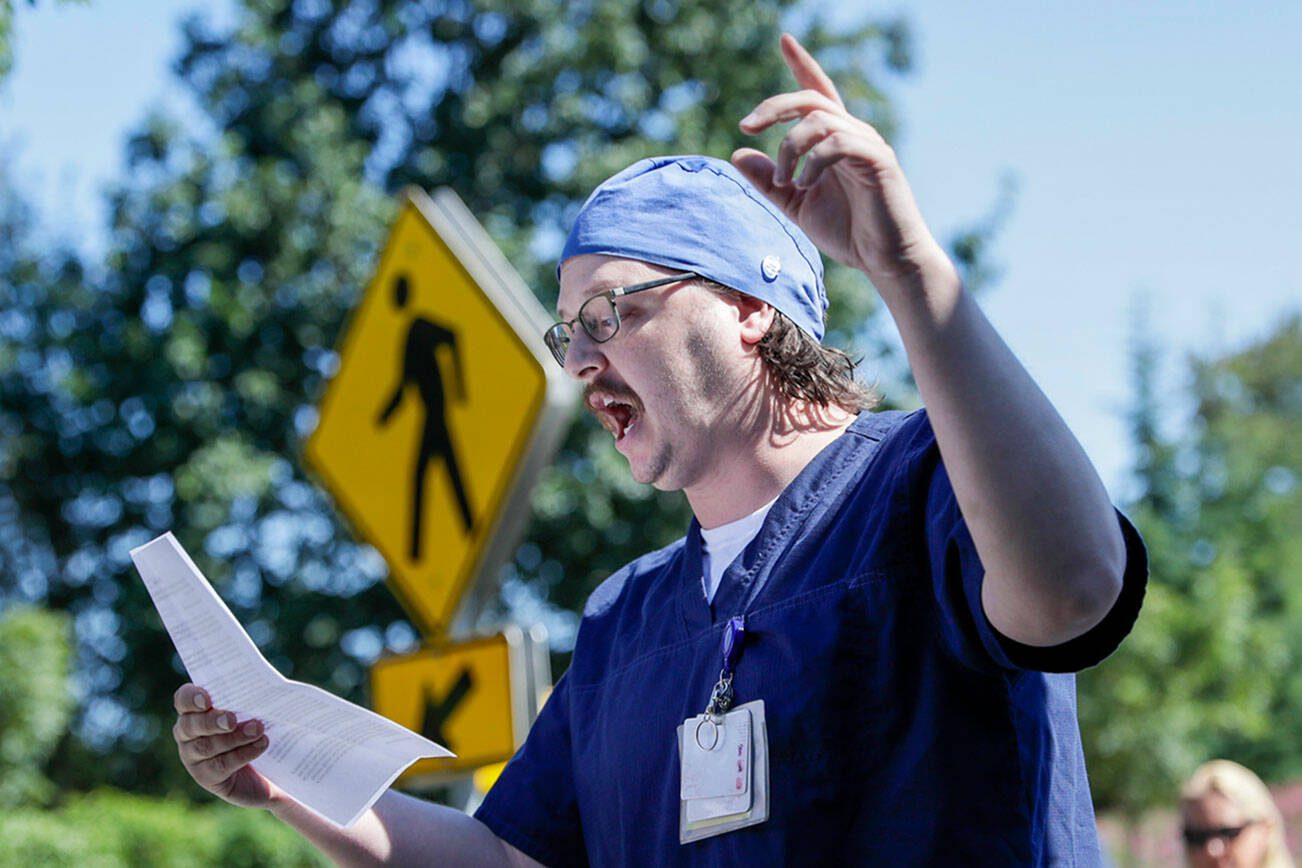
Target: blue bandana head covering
x=699, y=214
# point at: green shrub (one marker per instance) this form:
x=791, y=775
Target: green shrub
x=131, y=830
x=252, y=839
x=31, y=837
x=111, y=828
x=35, y=704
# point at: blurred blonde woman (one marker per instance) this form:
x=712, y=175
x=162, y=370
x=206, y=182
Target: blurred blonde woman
x=1229, y=819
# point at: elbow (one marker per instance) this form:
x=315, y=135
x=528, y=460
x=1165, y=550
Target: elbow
x=1067, y=603
x=1099, y=576
x=1089, y=597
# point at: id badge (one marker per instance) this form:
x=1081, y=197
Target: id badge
x=724, y=772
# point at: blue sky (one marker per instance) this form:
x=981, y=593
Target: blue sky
x=1155, y=149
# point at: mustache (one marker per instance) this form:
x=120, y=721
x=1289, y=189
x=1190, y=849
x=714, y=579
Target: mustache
x=620, y=393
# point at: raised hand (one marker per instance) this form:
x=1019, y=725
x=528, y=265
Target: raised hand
x=852, y=198
x=216, y=750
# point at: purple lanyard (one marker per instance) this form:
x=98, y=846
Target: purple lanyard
x=734, y=634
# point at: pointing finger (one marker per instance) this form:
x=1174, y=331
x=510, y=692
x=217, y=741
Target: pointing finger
x=807, y=71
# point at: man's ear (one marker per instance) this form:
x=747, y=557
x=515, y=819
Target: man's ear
x=754, y=316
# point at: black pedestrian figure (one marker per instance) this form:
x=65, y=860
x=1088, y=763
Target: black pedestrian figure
x=420, y=366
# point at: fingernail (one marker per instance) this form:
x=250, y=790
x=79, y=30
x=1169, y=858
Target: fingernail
x=224, y=722
x=251, y=728
x=748, y=120
x=201, y=702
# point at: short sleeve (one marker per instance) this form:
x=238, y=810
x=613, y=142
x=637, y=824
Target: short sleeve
x=533, y=806
x=957, y=575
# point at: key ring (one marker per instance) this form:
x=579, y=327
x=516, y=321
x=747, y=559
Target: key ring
x=714, y=731
x=720, y=696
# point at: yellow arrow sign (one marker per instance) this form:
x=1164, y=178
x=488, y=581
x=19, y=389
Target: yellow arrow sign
x=467, y=697
x=440, y=406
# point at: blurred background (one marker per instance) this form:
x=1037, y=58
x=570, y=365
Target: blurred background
x=192, y=196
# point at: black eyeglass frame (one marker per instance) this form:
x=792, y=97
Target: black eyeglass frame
x=1195, y=838
x=557, y=337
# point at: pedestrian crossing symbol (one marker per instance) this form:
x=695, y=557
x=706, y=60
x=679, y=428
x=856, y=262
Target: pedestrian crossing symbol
x=425, y=426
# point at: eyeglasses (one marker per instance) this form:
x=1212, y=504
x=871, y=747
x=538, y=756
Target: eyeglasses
x=1199, y=837
x=599, y=316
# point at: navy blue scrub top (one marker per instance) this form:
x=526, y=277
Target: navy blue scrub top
x=903, y=729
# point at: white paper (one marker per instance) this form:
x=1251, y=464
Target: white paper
x=328, y=754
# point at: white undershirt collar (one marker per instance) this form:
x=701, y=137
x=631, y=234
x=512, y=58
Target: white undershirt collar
x=721, y=545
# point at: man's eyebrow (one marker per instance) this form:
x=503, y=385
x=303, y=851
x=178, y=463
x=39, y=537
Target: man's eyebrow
x=605, y=286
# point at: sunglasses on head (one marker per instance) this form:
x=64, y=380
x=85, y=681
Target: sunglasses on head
x=1199, y=837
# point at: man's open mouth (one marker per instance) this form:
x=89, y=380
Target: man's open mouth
x=617, y=414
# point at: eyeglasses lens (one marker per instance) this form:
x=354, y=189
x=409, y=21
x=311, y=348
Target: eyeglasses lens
x=599, y=317
x=557, y=339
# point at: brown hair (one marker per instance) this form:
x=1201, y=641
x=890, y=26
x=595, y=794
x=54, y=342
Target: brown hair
x=804, y=369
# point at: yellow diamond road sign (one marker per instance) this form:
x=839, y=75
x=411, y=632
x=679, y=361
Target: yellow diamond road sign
x=443, y=410
x=471, y=697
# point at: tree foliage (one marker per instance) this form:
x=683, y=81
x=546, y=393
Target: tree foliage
x=35, y=703
x=7, y=36
x=171, y=386
x=1212, y=667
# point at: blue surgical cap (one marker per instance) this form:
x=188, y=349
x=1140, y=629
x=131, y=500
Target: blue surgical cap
x=700, y=214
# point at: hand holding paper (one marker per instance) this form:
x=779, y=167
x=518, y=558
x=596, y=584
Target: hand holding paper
x=328, y=754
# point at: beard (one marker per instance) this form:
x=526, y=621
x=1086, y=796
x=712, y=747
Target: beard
x=707, y=392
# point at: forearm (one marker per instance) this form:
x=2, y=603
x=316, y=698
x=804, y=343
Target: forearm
x=1037, y=511
x=401, y=830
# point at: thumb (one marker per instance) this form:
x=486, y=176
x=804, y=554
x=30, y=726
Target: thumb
x=756, y=167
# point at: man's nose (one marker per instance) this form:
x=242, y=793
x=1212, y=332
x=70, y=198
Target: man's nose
x=584, y=358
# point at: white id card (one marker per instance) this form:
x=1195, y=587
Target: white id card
x=724, y=772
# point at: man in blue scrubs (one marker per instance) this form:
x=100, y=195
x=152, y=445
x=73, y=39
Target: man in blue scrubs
x=881, y=609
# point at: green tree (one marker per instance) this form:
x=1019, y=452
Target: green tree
x=172, y=387
x=7, y=36
x=35, y=703
x=1211, y=667
x=1247, y=462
